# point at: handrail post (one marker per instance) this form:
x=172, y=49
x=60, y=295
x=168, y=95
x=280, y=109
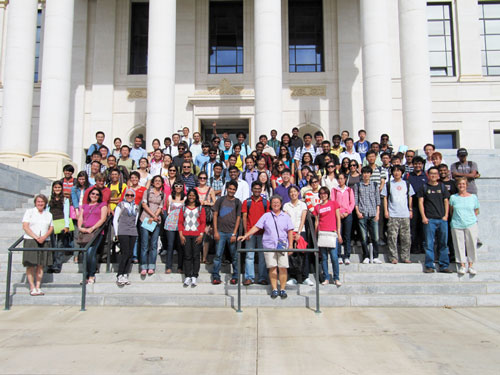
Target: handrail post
x=7, y=286
x=84, y=279
x=316, y=264
x=108, y=245
x=238, y=257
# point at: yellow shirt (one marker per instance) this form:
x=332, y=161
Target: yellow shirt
x=115, y=192
x=239, y=162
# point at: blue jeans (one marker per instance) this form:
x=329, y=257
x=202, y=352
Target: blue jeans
x=255, y=242
x=149, y=246
x=334, y=258
x=172, y=240
x=441, y=228
x=346, y=236
x=368, y=224
x=92, y=257
x=219, y=250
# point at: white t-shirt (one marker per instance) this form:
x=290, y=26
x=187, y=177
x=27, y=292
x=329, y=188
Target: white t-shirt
x=39, y=223
x=398, y=200
x=195, y=150
x=295, y=213
x=243, y=191
x=351, y=156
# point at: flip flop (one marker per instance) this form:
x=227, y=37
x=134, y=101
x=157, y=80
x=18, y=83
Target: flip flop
x=34, y=292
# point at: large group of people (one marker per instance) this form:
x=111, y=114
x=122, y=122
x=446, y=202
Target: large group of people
x=191, y=196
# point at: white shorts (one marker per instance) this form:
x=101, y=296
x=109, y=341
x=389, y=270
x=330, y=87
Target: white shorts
x=276, y=259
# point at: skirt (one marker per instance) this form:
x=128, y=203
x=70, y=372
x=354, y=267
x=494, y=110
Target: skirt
x=36, y=258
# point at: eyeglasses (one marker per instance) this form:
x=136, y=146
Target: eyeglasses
x=345, y=162
x=314, y=182
x=212, y=153
x=353, y=165
x=330, y=166
x=202, y=178
x=216, y=141
x=172, y=170
x=281, y=165
x=181, y=148
x=95, y=194
x=129, y=195
x=186, y=167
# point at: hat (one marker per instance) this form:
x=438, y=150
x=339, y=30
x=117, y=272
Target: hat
x=462, y=152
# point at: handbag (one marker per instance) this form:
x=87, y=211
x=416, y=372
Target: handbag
x=209, y=215
x=72, y=213
x=282, y=245
x=59, y=225
x=84, y=238
x=327, y=239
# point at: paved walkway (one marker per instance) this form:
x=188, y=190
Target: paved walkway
x=63, y=340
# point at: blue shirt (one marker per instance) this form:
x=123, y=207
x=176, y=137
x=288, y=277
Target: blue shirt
x=283, y=193
x=138, y=153
x=464, y=215
x=201, y=159
x=362, y=148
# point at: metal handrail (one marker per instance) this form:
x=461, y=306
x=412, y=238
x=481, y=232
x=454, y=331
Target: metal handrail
x=314, y=250
x=14, y=247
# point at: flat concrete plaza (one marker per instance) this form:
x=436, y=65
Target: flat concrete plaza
x=105, y=340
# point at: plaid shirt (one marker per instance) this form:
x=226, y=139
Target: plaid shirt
x=216, y=184
x=367, y=198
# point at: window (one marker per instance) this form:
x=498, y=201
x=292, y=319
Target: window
x=138, y=61
x=441, y=50
x=225, y=41
x=496, y=138
x=443, y=140
x=38, y=44
x=305, y=35
x=489, y=17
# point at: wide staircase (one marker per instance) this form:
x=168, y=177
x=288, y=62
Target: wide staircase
x=363, y=284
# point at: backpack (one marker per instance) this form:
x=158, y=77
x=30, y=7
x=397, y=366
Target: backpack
x=249, y=203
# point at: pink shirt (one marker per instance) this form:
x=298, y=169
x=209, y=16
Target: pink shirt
x=326, y=215
x=345, y=199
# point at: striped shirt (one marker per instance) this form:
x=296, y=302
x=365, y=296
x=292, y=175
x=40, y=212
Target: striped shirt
x=301, y=151
x=367, y=198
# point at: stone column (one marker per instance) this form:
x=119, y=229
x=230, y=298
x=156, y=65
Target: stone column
x=19, y=73
x=3, y=5
x=161, y=69
x=377, y=90
x=56, y=79
x=268, y=66
x=415, y=73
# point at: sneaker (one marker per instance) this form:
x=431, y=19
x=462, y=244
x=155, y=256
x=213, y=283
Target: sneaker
x=366, y=261
x=126, y=280
x=187, y=282
x=119, y=280
x=216, y=282
x=234, y=281
x=341, y=261
x=194, y=282
x=291, y=282
x=308, y=282
x=326, y=282
x=283, y=294
x=472, y=271
x=461, y=270
x=248, y=282
x=429, y=270
x=445, y=270
x=347, y=261
x=337, y=283
x=377, y=261
x=274, y=294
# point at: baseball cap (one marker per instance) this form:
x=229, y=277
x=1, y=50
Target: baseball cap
x=462, y=152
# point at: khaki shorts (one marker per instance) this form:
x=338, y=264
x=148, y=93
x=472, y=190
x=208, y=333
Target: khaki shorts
x=276, y=259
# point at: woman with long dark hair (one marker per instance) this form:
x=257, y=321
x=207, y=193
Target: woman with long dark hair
x=175, y=202
x=286, y=158
x=267, y=190
x=59, y=208
x=207, y=199
x=191, y=228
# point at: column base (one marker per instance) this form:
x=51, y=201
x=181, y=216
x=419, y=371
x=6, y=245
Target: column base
x=48, y=165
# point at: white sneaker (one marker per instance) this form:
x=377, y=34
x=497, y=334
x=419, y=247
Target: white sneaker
x=461, y=270
x=472, y=271
x=193, y=282
x=366, y=261
x=341, y=261
x=308, y=282
x=291, y=282
x=119, y=280
x=187, y=282
x=347, y=261
x=377, y=261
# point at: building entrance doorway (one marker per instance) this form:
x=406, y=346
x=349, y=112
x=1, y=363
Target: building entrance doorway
x=232, y=126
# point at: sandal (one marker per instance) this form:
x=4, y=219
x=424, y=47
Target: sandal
x=40, y=292
x=151, y=272
x=91, y=280
x=34, y=292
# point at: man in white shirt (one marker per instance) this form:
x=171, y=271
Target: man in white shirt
x=349, y=152
x=307, y=147
x=176, y=138
x=195, y=147
x=185, y=136
x=243, y=191
x=267, y=149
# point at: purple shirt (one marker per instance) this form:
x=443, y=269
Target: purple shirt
x=283, y=192
x=250, y=177
x=270, y=237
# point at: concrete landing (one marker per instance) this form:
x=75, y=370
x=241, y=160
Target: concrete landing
x=112, y=340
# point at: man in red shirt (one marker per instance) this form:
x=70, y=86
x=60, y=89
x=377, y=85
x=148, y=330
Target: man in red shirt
x=253, y=209
x=68, y=179
x=99, y=183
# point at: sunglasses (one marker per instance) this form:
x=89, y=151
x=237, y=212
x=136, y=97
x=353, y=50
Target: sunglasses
x=314, y=182
x=186, y=167
x=172, y=170
x=96, y=194
x=353, y=165
x=330, y=166
x=202, y=178
x=212, y=153
x=177, y=186
x=129, y=195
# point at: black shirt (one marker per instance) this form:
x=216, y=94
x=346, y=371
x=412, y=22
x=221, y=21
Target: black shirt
x=434, y=197
x=296, y=142
x=451, y=186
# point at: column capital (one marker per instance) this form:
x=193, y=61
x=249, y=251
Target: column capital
x=4, y=3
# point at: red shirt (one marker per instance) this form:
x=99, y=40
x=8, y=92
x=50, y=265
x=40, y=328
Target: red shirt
x=67, y=185
x=256, y=211
x=139, y=192
x=106, y=194
x=194, y=229
x=327, y=216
